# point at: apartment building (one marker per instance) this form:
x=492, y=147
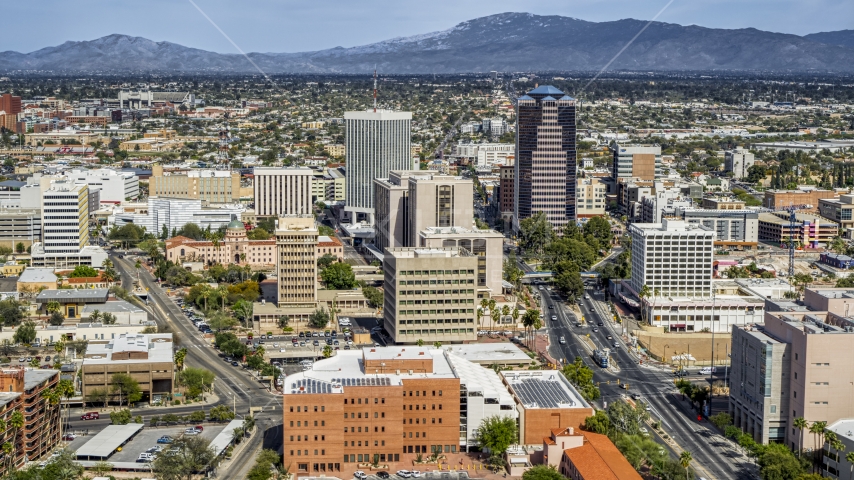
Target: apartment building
x=113, y=186
x=296, y=260
x=212, y=186
x=738, y=162
x=545, y=157
x=430, y=294
x=672, y=257
x=283, y=191
x=809, y=230
x=23, y=390
x=485, y=244
x=642, y=162
x=591, y=193
x=794, y=365
x=377, y=142
x=147, y=358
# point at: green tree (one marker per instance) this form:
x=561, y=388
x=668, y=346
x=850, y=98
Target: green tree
x=127, y=388
x=319, y=318
x=56, y=319
x=326, y=260
x=497, y=433
x=120, y=417
x=11, y=312
x=25, y=333
x=327, y=351
x=191, y=230
x=189, y=455
x=542, y=472
x=221, y=413
x=776, y=462
x=685, y=461
x=599, y=422
x=338, y=276
x=180, y=356
x=581, y=376
x=83, y=271
x=535, y=233
x=195, y=381
x=373, y=295
x=243, y=311
x=800, y=423
x=264, y=464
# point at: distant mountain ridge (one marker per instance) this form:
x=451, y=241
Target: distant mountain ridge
x=504, y=42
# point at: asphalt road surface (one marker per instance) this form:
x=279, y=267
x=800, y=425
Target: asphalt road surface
x=714, y=457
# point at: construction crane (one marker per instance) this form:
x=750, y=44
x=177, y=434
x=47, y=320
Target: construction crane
x=793, y=220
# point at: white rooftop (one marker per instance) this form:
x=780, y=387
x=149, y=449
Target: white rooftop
x=347, y=368
x=481, y=379
x=158, y=346
x=843, y=428
x=108, y=440
x=37, y=275
x=489, y=353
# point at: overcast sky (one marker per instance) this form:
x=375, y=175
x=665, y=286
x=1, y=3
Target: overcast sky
x=294, y=26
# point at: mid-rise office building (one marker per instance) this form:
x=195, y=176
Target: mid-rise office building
x=733, y=228
x=65, y=218
x=738, y=162
x=803, y=199
x=591, y=193
x=794, y=365
x=283, y=191
x=114, y=187
x=392, y=403
x=147, y=358
x=507, y=192
x=673, y=258
x=485, y=154
x=212, y=186
x=174, y=213
x=840, y=210
x=296, y=264
x=407, y=202
x=485, y=244
x=545, y=157
x=377, y=142
x=430, y=294
x=808, y=230
x=642, y=162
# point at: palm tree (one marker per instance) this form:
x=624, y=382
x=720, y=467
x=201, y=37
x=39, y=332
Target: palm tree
x=52, y=398
x=137, y=265
x=95, y=316
x=8, y=451
x=484, y=303
x=66, y=389
x=849, y=457
x=206, y=294
x=817, y=429
x=16, y=421
x=222, y=291
x=800, y=423
x=685, y=461
x=643, y=294
x=505, y=311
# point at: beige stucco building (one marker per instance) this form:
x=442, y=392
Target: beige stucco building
x=213, y=186
x=148, y=359
x=430, y=294
x=234, y=248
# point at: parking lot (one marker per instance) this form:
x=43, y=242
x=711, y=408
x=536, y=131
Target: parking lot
x=146, y=439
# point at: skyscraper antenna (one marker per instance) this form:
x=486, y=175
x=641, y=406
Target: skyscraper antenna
x=375, y=89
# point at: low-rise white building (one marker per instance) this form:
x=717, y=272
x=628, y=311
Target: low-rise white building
x=174, y=213
x=114, y=186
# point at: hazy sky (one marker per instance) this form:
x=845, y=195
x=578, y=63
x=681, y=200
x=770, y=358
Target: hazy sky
x=293, y=26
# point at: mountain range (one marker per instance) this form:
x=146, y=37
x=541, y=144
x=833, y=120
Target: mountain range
x=507, y=42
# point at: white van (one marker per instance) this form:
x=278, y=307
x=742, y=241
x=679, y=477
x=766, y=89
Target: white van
x=707, y=370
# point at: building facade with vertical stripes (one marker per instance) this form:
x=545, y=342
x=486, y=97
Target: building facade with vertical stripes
x=544, y=179
x=377, y=142
x=283, y=191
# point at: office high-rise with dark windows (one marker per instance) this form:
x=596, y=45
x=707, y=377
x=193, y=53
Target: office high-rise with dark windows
x=545, y=156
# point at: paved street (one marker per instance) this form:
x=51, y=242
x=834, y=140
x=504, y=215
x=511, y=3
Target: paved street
x=714, y=457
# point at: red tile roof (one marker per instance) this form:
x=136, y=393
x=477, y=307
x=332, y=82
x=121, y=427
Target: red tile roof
x=599, y=459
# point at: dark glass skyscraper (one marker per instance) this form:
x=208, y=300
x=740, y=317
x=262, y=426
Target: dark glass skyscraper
x=545, y=156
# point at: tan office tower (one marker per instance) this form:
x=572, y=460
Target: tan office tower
x=296, y=265
x=430, y=294
x=213, y=186
x=283, y=191
x=636, y=161
x=544, y=179
x=487, y=245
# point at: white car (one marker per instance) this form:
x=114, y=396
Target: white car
x=562, y=341
x=360, y=475
x=415, y=474
x=403, y=474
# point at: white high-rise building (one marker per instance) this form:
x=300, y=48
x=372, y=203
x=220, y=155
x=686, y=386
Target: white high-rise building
x=65, y=217
x=377, y=142
x=283, y=191
x=738, y=162
x=672, y=259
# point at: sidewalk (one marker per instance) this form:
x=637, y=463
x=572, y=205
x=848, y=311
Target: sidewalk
x=210, y=400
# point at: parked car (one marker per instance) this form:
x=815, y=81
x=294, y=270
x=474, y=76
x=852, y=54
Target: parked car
x=144, y=457
x=415, y=473
x=360, y=475
x=164, y=439
x=383, y=475
x=90, y=416
x=69, y=437
x=191, y=431
x=404, y=474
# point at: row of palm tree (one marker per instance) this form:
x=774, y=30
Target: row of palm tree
x=821, y=435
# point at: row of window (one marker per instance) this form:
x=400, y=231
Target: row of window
x=436, y=272
x=436, y=292
x=447, y=311
x=464, y=281
x=439, y=331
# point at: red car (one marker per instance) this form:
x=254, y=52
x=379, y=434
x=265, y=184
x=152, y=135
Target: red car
x=90, y=416
x=199, y=428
